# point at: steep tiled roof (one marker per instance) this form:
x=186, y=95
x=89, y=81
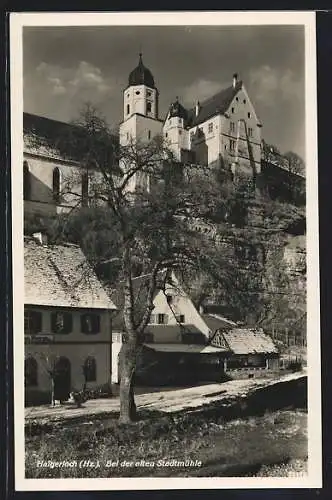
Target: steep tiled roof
x=59, y=275
x=217, y=104
x=215, y=322
x=246, y=341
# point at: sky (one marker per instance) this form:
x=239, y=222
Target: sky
x=64, y=67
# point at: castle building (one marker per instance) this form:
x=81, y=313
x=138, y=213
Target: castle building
x=222, y=130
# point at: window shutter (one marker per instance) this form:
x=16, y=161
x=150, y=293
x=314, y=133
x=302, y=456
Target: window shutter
x=68, y=323
x=83, y=324
x=96, y=323
x=37, y=322
x=152, y=318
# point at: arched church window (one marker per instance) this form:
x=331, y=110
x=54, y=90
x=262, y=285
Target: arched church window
x=26, y=181
x=148, y=107
x=128, y=109
x=85, y=189
x=56, y=184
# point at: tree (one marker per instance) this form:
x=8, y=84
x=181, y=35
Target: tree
x=153, y=213
x=296, y=164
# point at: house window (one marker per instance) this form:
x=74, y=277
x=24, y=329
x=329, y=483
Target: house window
x=26, y=181
x=30, y=372
x=180, y=318
x=148, y=107
x=232, y=145
x=32, y=322
x=152, y=318
x=61, y=322
x=244, y=101
x=249, y=114
x=210, y=128
x=250, y=132
x=117, y=337
x=90, y=323
x=237, y=99
x=56, y=184
x=166, y=134
x=90, y=369
x=180, y=132
x=128, y=109
x=149, y=134
x=85, y=189
x=232, y=110
x=162, y=319
x=232, y=127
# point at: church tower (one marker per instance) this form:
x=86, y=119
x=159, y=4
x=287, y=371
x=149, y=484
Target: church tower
x=140, y=106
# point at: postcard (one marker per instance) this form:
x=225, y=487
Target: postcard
x=165, y=250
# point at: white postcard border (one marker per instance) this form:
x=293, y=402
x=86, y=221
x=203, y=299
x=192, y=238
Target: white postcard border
x=17, y=21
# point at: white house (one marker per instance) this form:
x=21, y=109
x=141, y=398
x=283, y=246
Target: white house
x=67, y=319
x=175, y=330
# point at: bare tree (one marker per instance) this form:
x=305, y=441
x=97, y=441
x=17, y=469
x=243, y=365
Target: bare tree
x=151, y=207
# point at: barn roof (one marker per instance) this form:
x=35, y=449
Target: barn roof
x=245, y=341
x=59, y=275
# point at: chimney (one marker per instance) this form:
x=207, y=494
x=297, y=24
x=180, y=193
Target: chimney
x=40, y=238
x=235, y=80
x=197, y=108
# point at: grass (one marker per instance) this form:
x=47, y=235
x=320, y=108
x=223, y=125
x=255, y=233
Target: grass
x=269, y=444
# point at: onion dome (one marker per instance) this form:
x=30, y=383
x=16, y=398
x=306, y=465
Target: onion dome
x=177, y=110
x=141, y=75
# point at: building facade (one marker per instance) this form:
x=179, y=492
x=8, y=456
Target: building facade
x=67, y=321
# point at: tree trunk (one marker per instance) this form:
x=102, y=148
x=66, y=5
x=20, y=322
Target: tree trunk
x=52, y=392
x=127, y=370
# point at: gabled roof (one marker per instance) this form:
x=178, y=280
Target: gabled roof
x=59, y=275
x=245, y=341
x=45, y=127
x=215, y=322
x=140, y=289
x=215, y=105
